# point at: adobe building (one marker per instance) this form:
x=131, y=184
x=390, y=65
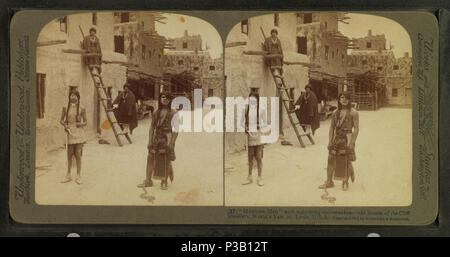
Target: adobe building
x=187, y=42
x=245, y=73
x=57, y=70
x=185, y=59
x=318, y=37
x=375, y=76
x=135, y=36
x=399, y=81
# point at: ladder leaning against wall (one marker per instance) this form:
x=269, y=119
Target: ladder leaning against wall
x=104, y=98
x=286, y=98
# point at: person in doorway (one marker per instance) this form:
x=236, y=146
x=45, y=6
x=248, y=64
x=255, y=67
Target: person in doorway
x=255, y=145
x=161, y=145
x=344, y=130
x=272, y=45
x=73, y=118
x=91, y=45
x=125, y=109
x=307, y=110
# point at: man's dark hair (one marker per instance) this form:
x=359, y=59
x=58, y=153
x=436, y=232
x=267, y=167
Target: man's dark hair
x=168, y=96
x=92, y=29
x=347, y=95
x=255, y=95
x=273, y=30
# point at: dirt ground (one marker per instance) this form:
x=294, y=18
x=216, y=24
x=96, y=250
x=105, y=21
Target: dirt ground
x=111, y=173
x=292, y=174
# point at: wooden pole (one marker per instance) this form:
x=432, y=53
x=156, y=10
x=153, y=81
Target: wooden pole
x=49, y=43
x=307, y=64
x=234, y=44
x=82, y=52
x=127, y=64
x=82, y=34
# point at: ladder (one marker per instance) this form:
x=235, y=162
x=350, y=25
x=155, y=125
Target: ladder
x=104, y=98
x=286, y=99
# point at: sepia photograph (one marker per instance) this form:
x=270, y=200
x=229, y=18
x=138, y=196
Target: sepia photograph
x=343, y=84
x=106, y=82
x=224, y=117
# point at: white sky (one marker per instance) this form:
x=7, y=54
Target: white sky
x=176, y=24
x=359, y=24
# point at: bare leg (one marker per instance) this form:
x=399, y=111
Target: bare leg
x=78, y=149
x=258, y=156
x=250, y=166
x=249, y=179
x=330, y=170
x=149, y=171
x=70, y=150
x=69, y=164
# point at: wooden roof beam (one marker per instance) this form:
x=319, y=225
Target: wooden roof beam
x=50, y=43
x=77, y=51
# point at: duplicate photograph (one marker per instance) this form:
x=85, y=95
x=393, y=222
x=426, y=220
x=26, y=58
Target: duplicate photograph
x=344, y=85
x=105, y=86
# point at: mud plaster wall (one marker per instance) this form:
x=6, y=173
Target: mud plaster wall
x=377, y=42
x=244, y=72
x=199, y=65
x=383, y=63
x=139, y=48
x=193, y=42
x=401, y=80
x=371, y=61
x=186, y=61
x=62, y=70
x=318, y=40
x=153, y=61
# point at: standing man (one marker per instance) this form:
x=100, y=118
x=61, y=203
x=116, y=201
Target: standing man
x=92, y=46
x=344, y=130
x=73, y=118
x=125, y=109
x=255, y=146
x=307, y=110
x=161, y=144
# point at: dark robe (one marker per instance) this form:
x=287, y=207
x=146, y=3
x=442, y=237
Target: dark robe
x=273, y=48
x=308, y=113
x=92, y=46
x=161, y=155
x=126, y=112
x=340, y=156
